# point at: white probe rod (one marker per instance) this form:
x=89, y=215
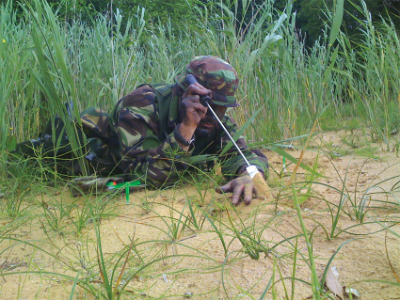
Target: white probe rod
x=226, y=131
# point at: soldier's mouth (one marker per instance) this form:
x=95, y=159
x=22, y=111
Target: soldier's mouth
x=207, y=124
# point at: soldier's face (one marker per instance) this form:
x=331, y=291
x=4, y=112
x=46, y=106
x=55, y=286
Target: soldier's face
x=209, y=123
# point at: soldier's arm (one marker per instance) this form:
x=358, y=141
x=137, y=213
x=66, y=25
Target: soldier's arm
x=143, y=152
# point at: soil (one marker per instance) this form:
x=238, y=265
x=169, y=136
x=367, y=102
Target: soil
x=167, y=261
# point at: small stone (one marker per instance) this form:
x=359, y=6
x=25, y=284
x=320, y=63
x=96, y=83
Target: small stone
x=352, y=291
x=188, y=295
x=2, y=195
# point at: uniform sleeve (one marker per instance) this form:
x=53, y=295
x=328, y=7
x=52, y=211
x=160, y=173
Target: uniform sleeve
x=232, y=162
x=144, y=150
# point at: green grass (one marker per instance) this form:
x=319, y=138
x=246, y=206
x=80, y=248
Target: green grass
x=61, y=62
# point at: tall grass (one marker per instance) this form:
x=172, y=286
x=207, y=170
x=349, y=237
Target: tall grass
x=371, y=71
x=50, y=62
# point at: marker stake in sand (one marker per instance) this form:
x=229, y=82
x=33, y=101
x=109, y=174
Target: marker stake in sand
x=127, y=194
x=284, y=164
x=112, y=185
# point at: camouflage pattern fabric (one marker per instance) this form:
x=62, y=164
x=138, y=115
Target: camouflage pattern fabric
x=147, y=146
x=102, y=143
x=97, y=125
x=217, y=75
x=139, y=131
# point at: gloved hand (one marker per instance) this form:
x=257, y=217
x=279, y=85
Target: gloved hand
x=241, y=187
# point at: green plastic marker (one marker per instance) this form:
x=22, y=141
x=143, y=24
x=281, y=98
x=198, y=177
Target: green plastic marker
x=112, y=185
x=127, y=194
x=284, y=164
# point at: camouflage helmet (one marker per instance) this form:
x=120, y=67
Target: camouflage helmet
x=218, y=76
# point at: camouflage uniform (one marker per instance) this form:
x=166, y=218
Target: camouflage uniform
x=139, y=134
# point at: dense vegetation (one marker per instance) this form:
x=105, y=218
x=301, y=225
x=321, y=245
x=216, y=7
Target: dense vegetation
x=311, y=15
x=51, y=60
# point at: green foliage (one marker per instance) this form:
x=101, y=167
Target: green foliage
x=179, y=13
x=311, y=15
x=97, y=65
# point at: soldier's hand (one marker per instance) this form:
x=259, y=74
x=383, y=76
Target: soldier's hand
x=241, y=187
x=193, y=110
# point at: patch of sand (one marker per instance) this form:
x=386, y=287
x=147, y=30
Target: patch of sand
x=171, y=258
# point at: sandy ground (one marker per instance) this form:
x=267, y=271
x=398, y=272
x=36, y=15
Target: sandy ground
x=169, y=260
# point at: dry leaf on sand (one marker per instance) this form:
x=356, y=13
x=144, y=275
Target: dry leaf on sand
x=333, y=284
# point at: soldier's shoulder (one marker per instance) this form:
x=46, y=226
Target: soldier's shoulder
x=144, y=88
x=142, y=96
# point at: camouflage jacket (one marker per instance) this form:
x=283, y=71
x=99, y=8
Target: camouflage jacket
x=144, y=121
